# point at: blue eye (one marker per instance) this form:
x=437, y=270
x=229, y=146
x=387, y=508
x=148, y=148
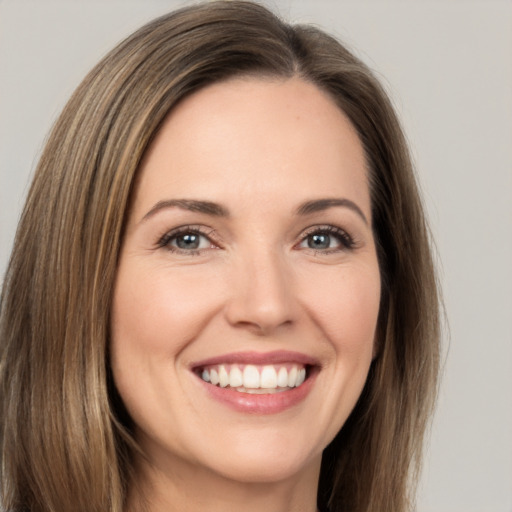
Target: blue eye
x=319, y=241
x=327, y=239
x=185, y=240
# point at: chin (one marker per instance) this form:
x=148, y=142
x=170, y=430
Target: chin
x=265, y=468
x=263, y=456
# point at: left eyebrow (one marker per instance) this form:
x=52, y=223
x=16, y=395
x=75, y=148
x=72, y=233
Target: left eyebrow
x=319, y=205
x=193, y=205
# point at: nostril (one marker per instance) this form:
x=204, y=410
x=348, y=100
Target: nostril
x=262, y=300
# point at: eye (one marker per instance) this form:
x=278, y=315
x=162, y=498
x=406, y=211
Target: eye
x=326, y=239
x=189, y=241
x=186, y=240
x=320, y=241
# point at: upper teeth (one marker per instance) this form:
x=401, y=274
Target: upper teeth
x=255, y=377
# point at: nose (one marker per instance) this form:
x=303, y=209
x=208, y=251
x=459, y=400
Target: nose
x=261, y=296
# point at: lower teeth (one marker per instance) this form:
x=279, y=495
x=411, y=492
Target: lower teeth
x=261, y=391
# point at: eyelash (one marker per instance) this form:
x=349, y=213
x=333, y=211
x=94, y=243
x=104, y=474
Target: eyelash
x=345, y=240
x=165, y=241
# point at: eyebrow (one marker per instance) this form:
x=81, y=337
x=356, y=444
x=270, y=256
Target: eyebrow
x=216, y=210
x=319, y=205
x=193, y=205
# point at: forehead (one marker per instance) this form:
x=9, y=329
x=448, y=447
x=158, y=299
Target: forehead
x=260, y=137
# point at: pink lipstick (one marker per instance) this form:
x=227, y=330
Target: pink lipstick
x=258, y=383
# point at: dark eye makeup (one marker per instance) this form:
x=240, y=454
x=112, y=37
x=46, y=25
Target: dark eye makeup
x=326, y=239
x=193, y=240
x=188, y=240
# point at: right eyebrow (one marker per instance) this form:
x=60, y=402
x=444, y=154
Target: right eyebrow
x=193, y=205
x=318, y=205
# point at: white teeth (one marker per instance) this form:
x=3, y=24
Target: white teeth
x=251, y=377
x=268, y=377
x=235, y=377
x=223, y=376
x=282, y=377
x=260, y=391
x=255, y=379
x=214, y=377
x=292, y=377
x=301, y=377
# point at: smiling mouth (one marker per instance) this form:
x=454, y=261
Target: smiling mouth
x=255, y=379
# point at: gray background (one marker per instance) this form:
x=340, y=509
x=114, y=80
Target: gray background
x=448, y=66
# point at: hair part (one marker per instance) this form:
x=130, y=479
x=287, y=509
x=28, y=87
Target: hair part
x=65, y=438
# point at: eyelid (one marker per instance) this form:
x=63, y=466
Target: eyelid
x=345, y=238
x=346, y=241
x=207, y=232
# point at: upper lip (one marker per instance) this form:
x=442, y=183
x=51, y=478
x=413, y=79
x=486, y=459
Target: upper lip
x=259, y=358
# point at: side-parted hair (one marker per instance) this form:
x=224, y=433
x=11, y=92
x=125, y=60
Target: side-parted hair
x=65, y=438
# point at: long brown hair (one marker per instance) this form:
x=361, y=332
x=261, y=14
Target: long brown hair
x=65, y=437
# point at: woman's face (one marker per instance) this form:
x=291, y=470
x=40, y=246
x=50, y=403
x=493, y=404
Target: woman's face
x=248, y=261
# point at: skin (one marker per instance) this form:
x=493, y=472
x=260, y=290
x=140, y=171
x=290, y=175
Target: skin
x=259, y=148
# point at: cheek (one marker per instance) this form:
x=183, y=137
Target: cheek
x=160, y=310
x=345, y=305
x=156, y=314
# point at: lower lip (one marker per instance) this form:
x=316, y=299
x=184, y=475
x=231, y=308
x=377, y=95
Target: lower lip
x=271, y=403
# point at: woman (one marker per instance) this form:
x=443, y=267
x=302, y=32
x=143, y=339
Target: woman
x=221, y=294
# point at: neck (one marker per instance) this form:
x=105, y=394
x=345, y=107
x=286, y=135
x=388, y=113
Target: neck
x=189, y=488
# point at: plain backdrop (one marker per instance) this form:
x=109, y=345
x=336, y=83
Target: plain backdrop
x=448, y=67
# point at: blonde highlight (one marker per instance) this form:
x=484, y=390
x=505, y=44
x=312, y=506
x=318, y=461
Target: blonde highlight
x=58, y=403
